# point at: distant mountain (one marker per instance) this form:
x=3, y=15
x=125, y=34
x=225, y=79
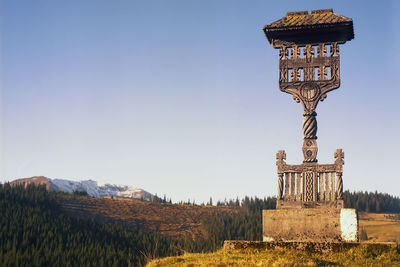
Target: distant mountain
x=93, y=188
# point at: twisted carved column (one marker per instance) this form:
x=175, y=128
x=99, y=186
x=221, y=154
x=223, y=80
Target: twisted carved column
x=339, y=156
x=339, y=189
x=310, y=148
x=280, y=186
x=280, y=163
x=310, y=125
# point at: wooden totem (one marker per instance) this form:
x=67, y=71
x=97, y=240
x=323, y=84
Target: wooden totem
x=308, y=69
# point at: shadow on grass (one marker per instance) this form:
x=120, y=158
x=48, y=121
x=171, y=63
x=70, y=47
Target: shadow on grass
x=320, y=262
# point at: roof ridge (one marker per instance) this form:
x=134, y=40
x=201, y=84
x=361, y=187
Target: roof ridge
x=322, y=11
x=296, y=13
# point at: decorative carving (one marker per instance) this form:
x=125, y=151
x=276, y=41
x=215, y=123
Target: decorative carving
x=334, y=49
x=310, y=126
x=295, y=52
x=280, y=162
x=309, y=91
x=294, y=182
x=280, y=156
x=309, y=53
x=308, y=72
x=310, y=150
x=280, y=186
x=339, y=156
x=339, y=189
x=283, y=53
x=315, y=83
x=308, y=190
x=321, y=50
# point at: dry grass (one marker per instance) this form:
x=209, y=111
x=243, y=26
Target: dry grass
x=360, y=256
x=380, y=227
x=171, y=219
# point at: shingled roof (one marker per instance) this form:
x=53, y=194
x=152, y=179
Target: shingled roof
x=319, y=25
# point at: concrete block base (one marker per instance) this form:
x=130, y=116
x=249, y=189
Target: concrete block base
x=310, y=225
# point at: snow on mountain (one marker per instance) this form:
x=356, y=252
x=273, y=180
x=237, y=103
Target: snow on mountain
x=93, y=188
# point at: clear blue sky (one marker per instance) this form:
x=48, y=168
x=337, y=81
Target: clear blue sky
x=181, y=97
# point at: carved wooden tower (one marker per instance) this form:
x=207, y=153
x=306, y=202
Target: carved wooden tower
x=308, y=69
x=310, y=206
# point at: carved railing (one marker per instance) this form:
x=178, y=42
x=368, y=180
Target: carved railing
x=310, y=181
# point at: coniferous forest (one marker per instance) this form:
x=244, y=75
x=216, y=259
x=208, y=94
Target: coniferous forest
x=35, y=231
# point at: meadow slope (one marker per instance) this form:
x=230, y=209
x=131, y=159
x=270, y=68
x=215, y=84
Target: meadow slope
x=360, y=256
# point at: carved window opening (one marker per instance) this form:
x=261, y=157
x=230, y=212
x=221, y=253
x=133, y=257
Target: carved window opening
x=328, y=74
x=301, y=74
x=328, y=50
x=302, y=52
x=290, y=75
x=316, y=73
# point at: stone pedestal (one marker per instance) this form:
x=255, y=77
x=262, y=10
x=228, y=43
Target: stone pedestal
x=321, y=224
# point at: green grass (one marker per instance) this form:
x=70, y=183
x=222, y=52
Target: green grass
x=360, y=256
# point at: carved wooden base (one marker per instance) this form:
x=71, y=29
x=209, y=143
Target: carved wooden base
x=310, y=182
x=281, y=204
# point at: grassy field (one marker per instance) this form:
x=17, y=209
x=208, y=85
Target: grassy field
x=360, y=256
x=380, y=227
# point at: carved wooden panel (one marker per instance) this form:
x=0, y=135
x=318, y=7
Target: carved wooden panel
x=308, y=185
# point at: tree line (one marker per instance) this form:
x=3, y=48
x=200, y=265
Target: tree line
x=372, y=202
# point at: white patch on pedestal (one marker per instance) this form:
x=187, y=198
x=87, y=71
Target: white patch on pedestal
x=348, y=224
x=267, y=239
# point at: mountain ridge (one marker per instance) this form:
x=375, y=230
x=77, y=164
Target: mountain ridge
x=91, y=187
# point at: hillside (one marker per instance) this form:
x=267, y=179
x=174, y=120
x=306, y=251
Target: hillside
x=361, y=256
x=34, y=231
x=172, y=219
x=186, y=220
x=380, y=227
